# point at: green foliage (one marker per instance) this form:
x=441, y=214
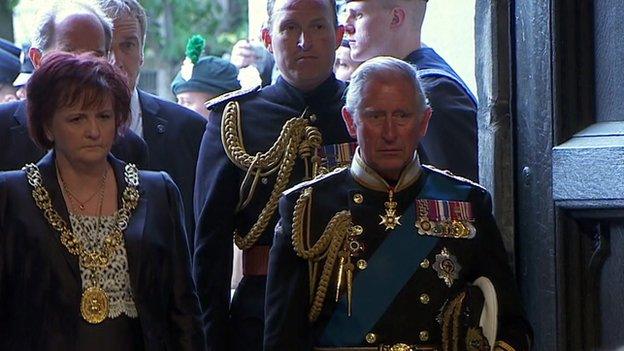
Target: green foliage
x=195, y=47
x=171, y=22
x=9, y=5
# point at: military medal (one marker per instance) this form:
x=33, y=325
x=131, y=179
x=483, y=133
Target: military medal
x=445, y=219
x=390, y=219
x=94, y=305
x=447, y=267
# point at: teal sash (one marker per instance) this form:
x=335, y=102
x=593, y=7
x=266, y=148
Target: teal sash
x=387, y=272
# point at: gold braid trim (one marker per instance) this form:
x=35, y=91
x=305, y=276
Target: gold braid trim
x=501, y=345
x=326, y=247
x=450, y=323
x=296, y=138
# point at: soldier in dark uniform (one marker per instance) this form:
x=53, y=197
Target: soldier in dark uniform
x=390, y=254
x=258, y=143
x=392, y=28
x=202, y=78
x=9, y=69
x=26, y=71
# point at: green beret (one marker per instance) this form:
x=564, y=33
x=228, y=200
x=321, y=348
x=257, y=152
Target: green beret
x=210, y=75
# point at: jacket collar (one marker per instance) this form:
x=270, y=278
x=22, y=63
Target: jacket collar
x=20, y=114
x=330, y=90
x=369, y=178
x=148, y=103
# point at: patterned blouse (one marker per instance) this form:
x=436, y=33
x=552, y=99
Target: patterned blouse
x=114, y=279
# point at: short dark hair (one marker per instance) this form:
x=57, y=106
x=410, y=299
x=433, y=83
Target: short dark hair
x=271, y=5
x=66, y=79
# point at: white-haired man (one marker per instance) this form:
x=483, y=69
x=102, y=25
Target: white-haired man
x=372, y=256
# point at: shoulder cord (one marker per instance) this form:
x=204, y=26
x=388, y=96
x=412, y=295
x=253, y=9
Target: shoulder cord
x=326, y=248
x=296, y=138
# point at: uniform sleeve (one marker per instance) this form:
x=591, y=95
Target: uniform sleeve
x=513, y=328
x=287, y=297
x=215, y=199
x=184, y=315
x=451, y=140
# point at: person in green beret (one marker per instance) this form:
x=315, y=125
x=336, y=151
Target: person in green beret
x=201, y=79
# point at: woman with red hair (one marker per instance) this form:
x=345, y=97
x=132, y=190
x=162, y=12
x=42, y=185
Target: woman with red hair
x=92, y=251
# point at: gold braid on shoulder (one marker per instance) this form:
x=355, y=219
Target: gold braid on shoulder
x=326, y=248
x=297, y=138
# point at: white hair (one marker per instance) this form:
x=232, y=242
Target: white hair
x=380, y=68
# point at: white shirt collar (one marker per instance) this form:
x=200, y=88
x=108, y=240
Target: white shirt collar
x=136, y=122
x=369, y=178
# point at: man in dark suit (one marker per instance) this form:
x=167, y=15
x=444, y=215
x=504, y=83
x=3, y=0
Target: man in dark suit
x=390, y=254
x=77, y=27
x=172, y=133
x=392, y=28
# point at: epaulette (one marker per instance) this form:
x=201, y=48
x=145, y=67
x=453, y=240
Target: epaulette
x=229, y=96
x=451, y=175
x=313, y=181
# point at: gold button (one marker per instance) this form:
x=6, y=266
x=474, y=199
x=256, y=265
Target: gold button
x=361, y=264
x=357, y=229
x=371, y=338
x=358, y=198
x=424, y=264
x=424, y=299
x=423, y=335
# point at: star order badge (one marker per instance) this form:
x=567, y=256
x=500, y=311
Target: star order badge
x=447, y=267
x=390, y=219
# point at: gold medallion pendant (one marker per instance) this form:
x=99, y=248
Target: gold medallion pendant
x=94, y=305
x=390, y=219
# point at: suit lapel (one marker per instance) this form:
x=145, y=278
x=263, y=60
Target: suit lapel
x=154, y=130
x=133, y=234
x=50, y=182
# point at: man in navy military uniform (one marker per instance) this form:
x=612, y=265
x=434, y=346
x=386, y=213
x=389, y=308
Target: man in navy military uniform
x=172, y=133
x=77, y=27
x=392, y=28
x=257, y=143
x=383, y=255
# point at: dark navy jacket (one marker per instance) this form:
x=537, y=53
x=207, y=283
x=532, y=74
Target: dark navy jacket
x=264, y=112
x=40, y=283
x=173, y=134
x=409, y=318
x=451, y=140
x=17, y=149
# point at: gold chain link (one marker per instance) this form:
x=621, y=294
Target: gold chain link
x=90, y=259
